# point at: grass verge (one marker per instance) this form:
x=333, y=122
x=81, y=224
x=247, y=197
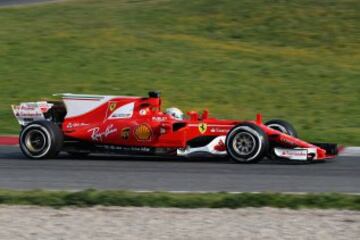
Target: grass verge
x=88, y=198
x=297, y=60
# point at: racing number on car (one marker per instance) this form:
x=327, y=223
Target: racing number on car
x=202, y=128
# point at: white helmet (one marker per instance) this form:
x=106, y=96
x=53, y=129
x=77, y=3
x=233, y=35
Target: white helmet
x=175, y=113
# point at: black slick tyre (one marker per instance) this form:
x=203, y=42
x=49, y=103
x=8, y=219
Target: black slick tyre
x=41, y=140
x=282, y=126
x=246, y=143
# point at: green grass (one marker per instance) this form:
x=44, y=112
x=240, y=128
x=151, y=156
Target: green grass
x=90, y=198
x=298, y=60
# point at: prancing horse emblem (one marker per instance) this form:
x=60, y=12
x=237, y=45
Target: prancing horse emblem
x=112, y=106
x=202, y=128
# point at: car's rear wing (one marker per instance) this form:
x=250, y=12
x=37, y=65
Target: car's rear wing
x=31, y=111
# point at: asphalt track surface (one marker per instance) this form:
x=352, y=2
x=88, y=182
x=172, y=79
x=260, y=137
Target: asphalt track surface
x=21, y=2
x=161, y=174
x=165, y=174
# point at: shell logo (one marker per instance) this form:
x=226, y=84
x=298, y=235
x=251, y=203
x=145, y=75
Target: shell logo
x=143, y=132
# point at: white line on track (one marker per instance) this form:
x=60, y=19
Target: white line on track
x=195, y=192
x=351, y=152
x=347, y=152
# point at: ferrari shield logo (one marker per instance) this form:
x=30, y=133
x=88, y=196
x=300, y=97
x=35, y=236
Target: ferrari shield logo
x=202, y=128
x=112, y=106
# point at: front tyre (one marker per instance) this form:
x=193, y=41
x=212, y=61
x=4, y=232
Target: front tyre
x=282, y=126
x=246, y=143
x=41, y=140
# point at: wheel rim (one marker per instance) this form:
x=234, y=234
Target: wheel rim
x=244, y=143
x=35, y=141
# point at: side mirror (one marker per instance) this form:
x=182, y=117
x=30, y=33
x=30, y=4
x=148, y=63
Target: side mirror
x=193, y=115
x=205, y=114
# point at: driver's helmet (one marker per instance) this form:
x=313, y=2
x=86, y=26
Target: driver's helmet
x=175, y=113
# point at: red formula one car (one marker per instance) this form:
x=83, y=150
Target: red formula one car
x=83, y=124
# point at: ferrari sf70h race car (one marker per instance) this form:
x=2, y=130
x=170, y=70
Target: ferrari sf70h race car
x=83, y=124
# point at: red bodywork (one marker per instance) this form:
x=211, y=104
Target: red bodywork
x=148, y=126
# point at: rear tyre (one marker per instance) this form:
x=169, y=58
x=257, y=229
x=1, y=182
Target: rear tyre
x=246, y=143
x=282, y=126
x=41, y=140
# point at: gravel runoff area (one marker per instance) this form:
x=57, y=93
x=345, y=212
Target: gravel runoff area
x=28, y=222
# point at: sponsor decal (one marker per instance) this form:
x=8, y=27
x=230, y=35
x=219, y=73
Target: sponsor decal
x=202, y=128
x=76, y=125
x=121, y=115
x=31, y=109
x=125, y=133
x=159, y=119
x=28, y=114
x=126, y=149
x=44, y=106
x=219, y=130
x=32, y=106
x=98, y=136
x=143, y=132
x=220, y=146
x=112, y=106
x=294, y=153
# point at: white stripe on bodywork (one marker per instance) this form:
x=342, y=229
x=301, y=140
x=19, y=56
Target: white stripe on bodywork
x=300, y=154
x=77, y=107
x=125, y=111
x=209, y=125
x=90, y=96
x=208, y=149
x=79, y=104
